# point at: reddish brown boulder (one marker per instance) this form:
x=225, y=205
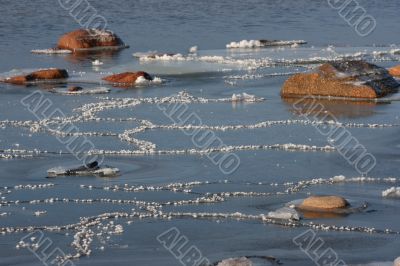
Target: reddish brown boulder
x=353, y=79
x=89, y=39
x=127, y=78
x=324, y=203
x=395, y=71
x=40, y=75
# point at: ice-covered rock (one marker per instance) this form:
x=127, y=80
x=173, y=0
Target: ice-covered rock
x=90, y=39
x=128, y=78
x=351, y=79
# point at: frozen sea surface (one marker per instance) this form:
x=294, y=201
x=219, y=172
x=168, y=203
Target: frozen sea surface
x=165, y=180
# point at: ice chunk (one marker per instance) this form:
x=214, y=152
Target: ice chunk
x=244, y=97
x=193, y=50
x=284, y=213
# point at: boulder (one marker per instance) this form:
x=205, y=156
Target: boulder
x=324, y=203
x=40, y=75
x=127, y=78
x=352, y=79
x=395, y=71
x=236, y=262
x=397, y=262
x=89, y=39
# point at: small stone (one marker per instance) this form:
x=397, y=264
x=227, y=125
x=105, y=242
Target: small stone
x=127, y=78
x=395, y=71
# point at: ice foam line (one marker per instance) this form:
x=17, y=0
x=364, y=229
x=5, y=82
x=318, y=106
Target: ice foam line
x=226, y=149
x=263, y=43
x=78, y=201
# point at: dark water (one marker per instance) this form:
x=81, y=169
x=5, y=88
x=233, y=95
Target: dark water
x=175, y=26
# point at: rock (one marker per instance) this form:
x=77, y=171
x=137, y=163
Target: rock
x=75, y=88
x=397, y=262
x=395, y=71
x=40, y=75
x=90, y=169
x=89, y=39
x=324, y=203
x=353, y=79
x=236, y=262
x=127, y=78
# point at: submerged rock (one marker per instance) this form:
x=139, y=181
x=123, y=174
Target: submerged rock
x=86, y=39
x=324, y=203
x=84, y=170
x=352, y=79
x=395, y=71
x=128, y=78
x=40, y=75
x=236, y=262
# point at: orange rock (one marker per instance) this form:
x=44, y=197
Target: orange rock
x=75, y=88
x=89, y=38
x=395, y=71
x=353, y=79
x=127, y=78
x=40, y=75
x=324, y=203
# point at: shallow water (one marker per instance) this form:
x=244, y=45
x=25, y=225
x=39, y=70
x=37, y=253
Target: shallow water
x=206, y=83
